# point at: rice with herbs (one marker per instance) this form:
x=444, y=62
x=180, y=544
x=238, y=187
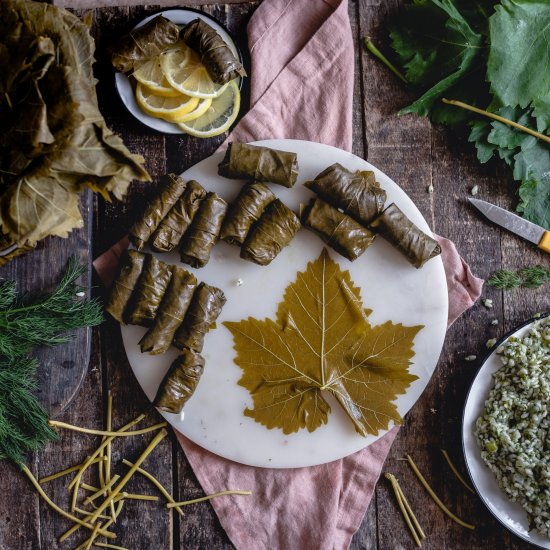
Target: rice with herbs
x=514, y=429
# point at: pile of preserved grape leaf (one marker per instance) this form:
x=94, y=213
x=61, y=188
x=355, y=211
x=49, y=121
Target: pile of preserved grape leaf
x=187, y=77
x=54, y=140
x=348, y=214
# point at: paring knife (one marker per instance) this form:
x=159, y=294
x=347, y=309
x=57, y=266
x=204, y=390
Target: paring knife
x=526, y=229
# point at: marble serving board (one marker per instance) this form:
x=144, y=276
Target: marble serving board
x=390, y=286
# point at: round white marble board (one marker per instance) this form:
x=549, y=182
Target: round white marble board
x=509, y=513
x=390, y=286
x=124, y=86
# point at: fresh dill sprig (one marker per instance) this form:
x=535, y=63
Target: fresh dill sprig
x=23, y=421
x=535, y=276
x=527, y=277
x=505, y=279
x=26, y=322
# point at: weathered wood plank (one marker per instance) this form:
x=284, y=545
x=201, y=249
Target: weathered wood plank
x=19, y=509
x=71, y=448
x=143, y=524
x=62, y=368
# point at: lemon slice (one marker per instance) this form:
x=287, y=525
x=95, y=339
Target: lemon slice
x=185, y=72
x=150, y=75
x=220, y=115
x=167, y=108
x=201, y=108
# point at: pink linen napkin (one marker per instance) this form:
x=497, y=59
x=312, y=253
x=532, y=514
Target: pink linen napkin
x=302, y=88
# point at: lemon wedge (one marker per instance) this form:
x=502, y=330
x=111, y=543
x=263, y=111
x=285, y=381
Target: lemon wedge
x=200, y=109
x=167, y=108
x=150, y=74
x=185, y=72
x=218, y=117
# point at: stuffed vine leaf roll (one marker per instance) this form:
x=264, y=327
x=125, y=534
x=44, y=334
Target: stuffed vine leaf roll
x=270, y=234
x=201, y=237
x=396, y=228
x=131, y=266
x=148, y=293
x=358, y=193
x=180, y=382
x=258, y=163
x=171, y=188
x=216, y=56
x=171, y=312
x=244, y=211
x=179, y=218
x=205, y=308
x=144, y=43
x=338, y=230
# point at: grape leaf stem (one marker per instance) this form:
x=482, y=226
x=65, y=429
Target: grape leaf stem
x=499, y=118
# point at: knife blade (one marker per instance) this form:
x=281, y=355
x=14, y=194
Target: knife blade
x=514, y=223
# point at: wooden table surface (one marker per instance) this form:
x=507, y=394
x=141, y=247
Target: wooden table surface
x=413, y=153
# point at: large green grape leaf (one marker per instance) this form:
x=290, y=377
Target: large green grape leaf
x=518, y=67
x=322, y=341
x=441, y=54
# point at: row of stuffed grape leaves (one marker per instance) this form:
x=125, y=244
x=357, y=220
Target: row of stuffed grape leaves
x=260, y=223
x=182, y=215
x=351, y=211
x=166, y=299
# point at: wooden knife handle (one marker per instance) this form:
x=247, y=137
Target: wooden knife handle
x=544, y=243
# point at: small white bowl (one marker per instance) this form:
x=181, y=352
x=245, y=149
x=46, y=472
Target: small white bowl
x=125, y=88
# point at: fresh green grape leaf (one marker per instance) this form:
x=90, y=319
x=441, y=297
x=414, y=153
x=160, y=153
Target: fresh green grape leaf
x=437, y=48
x=541, y=111
x=528, y=157
x=518, y=66
x=535, y=201
x=532, y=162
x=443, y=46
x=508, y=137
x=322, y=341
x=479, y=134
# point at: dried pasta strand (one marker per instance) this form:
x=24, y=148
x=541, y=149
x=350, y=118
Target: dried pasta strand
x=108, y=523
x=154, y=442
x=46, y=498
x=101, y=491
x=87, y=513
x=134, y=496
x=157, y=484
x=56, y=423
x=404, y=512
x=419, y=529
x=89, y=487
x=109, y=427
x=455, y=471
x=102, y=446
x=93, y=537
x=435, y=497
x=67, y=471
